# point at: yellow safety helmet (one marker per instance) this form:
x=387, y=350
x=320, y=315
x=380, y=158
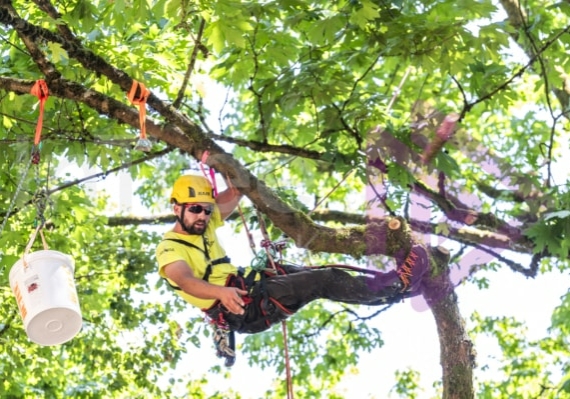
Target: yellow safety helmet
x=192, y=188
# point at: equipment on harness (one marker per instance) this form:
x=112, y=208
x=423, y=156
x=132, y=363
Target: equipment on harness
x=264, y=310
x=224, y=336
x=224, y=340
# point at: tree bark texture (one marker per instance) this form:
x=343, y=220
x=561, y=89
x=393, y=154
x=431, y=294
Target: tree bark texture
x=457, y=356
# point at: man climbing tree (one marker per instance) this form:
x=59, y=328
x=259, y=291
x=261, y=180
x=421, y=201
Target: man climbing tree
x=248, y=300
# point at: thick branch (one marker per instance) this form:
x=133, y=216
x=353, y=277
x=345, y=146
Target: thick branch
x=456, y=349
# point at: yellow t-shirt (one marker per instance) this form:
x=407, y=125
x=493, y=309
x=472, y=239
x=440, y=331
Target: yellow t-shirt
x=170, y=251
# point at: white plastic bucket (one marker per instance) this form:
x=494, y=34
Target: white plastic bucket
x=45, y=292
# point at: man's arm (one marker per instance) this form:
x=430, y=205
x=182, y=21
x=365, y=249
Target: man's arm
x=228, y=200
x=181, y=274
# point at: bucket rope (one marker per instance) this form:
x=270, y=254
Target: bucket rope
x=15, y=196
x=31, y=242
x=41, y=91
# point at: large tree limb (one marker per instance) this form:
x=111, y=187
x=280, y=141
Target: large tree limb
x=456, y=348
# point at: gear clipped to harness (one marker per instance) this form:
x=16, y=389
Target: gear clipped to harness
x=224, y=340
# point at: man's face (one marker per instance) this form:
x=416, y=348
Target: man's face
x=196, y=216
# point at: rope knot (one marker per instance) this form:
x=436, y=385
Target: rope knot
x=138, y=93
x=138, y=96
x=40, y=90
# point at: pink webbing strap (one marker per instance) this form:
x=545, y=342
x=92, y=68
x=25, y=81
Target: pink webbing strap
x=210, y=174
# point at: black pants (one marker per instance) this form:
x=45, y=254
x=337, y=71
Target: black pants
x=274, y=298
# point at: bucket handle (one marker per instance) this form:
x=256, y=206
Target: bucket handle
x=31, y=242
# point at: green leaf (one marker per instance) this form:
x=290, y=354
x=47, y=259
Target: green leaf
x=58, y=54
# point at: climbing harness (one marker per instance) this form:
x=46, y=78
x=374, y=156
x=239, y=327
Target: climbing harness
x=138, y=95
x=209, y=262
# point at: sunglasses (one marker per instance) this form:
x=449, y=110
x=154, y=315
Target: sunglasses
x=198, y=209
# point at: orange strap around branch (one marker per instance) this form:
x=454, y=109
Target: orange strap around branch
x=40, y=90
x=138, y=96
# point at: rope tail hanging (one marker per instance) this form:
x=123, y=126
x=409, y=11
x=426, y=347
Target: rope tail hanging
x=266, y=239
x=138, y=95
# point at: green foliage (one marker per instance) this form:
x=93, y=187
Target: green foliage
x=527, y=368
x=552, y=232
x=324, y=344
x=407, y=384
x=318, y=82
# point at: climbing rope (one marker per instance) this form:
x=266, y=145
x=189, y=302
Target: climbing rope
x=259, y=263
x=210, y=174
x=266, y=244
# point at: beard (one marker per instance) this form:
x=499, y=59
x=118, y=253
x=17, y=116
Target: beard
x=197, y=228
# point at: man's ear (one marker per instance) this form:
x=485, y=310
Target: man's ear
x=176, y=208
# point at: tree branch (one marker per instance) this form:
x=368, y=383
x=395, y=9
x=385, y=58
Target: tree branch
x=266, y=147
x=197, y=46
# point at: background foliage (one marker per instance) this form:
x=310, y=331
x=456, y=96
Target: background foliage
x=304, y=94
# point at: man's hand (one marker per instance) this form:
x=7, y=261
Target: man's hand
x=181, y=274
x=231, y=298
x=228, y=200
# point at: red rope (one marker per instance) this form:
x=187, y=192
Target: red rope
x=287, y=363
x=266, y=244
